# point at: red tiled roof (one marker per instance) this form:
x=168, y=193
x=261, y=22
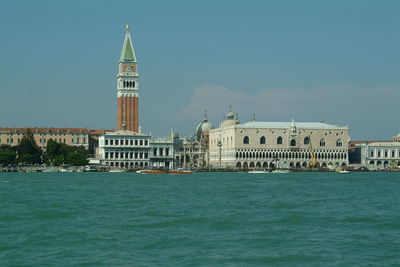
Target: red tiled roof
x=54, y=130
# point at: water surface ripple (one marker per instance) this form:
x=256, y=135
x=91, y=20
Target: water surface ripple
x=204, y=219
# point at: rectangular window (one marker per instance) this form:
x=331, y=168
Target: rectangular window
x=111, y=142
x=111, y=155
x=393, y=154
x=372, y=154
x=106, y=142
x=78, y=140
x=84, y=140
x=141, y=155
x=136, y=142
x=136, y=155
x=72, y=140
x=126, y=155
x=127, y=142
x=146, y=155
x=116, y=142
x=141, y=142
x=106, y=155
x=131, y=155
x=146, y=142
x=131, y=142
x=167, y=152
x=116, y=155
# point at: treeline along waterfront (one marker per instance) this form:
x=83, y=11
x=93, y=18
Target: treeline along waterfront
x=27, y=152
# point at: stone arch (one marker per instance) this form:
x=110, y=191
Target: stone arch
x=304, y=164
x=339, y=143
x=246, y=140
x=258, y=164
x=245, y=165
x=324, y=165
x=265, y=164
x=291, y=164
x=298, y=165
x=252, y=165
x=238, y=164
x=385, y=164
x=306, y=140
x=263, y=140
x=322, y=142
x=293, y=142
x=279, y=140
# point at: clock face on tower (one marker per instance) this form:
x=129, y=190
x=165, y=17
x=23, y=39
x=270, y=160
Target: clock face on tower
x=128, y=69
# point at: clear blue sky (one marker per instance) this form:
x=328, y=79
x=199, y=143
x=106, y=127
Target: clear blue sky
x=336, y=61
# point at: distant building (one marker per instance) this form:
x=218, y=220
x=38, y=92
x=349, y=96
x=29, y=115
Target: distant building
x=277, y=144
x=124, y=149
x=376, y=154
x=162, y=153
x=69, y=136
x=192, y=152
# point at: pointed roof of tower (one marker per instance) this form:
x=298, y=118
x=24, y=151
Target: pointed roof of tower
x=127, y=53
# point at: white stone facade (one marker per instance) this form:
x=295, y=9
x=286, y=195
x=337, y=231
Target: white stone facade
x=124, y=149
x=277, y=144
x=162, y=153
x=380, y=154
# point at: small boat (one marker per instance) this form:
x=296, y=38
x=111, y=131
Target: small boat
x=257, y=172
x=281, y=171
x=150, y=172
x=344, y=172
x=179, y=172
x=117, y=170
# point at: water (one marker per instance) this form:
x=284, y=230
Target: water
x=204, y=219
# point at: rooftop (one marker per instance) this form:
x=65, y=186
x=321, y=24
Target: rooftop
x=285, y=125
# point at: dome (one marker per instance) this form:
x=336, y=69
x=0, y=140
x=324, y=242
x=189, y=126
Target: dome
x=230, y=115
x=203, y=129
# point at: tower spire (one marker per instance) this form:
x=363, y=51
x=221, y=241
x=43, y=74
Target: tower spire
x=127, y=53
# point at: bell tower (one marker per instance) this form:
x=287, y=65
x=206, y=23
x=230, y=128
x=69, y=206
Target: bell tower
x=128, y=87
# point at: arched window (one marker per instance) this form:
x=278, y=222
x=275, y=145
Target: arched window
x=262, y=140
x=306, y=140
x=133, y=84
x=246, y=140
x=279, y=140
x=339, y=142
x=124, y=83
x=322, y=142
x=293, y=142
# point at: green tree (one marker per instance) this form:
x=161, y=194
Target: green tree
x=7, y=157
x=76, y=158
x=58, y=160
x=27, y=149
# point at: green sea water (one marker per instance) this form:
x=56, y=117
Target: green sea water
x=204, y=219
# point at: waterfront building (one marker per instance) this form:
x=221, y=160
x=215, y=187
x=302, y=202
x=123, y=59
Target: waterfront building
x=69, y=136
x=124, y=149
x=376, y=154
x=192, y=151
x=277, y=144
x=127, y=87
x=162, y=153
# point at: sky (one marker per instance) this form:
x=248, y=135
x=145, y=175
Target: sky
x=332, y=61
